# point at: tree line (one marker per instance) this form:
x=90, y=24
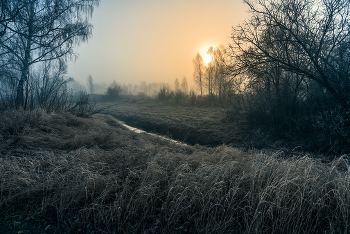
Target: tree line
x=212, y=78
x=150, y=89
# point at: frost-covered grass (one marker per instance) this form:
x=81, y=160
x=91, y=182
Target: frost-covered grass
x=205, y=125
x=95, y=175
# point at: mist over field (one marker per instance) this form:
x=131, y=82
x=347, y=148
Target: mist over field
x=153, y=41
x=174, y=116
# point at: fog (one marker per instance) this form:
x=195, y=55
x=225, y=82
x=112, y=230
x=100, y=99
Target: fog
x=153, y=40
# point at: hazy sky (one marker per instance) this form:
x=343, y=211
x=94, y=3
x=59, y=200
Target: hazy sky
x=153, y=40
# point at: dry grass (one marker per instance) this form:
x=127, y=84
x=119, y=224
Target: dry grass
x=95, y=175
x=203, y=125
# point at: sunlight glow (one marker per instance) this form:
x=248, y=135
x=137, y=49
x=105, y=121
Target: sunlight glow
x=207, y=58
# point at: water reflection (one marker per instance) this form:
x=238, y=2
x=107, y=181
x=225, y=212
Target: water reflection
x=152, y=134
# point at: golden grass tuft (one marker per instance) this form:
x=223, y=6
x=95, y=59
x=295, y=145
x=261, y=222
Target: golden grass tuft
x=95, y=175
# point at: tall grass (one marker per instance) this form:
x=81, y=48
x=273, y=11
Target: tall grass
x=95, y=175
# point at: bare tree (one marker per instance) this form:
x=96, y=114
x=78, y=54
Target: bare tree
x=184, y=85
x=9, y=12
x=90, y=84
x=309, y=38
x=176, y=85
x=209, y=72
x=198, y=74
x=45, y=30
x=220, y=60
x=50, y=88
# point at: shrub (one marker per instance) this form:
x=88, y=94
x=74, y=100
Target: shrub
x=83, y=104
x=113, y=92
x=179, y=96
x=165, y=94
x=193, y=98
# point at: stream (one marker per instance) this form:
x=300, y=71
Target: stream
x=136, y=130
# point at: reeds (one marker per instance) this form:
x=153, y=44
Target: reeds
x=96, y=176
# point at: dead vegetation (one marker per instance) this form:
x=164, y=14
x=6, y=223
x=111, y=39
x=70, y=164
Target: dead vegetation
x=95, y=176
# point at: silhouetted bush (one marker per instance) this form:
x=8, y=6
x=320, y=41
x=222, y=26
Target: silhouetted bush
x=113, y=92
x=165, y=94
x=83, y=104
x=193, y=97
x=179, y=96
x=142, y=95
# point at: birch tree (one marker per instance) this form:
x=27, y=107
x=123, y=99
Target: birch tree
x=45, y=31
x=198, y=74
x=9, y=12
x=209, y=72
x=220, y=77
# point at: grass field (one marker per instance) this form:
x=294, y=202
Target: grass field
x=68, y=174
x=209, y=124
x=204, y=125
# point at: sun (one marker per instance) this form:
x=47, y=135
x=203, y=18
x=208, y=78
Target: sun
x=207, y=58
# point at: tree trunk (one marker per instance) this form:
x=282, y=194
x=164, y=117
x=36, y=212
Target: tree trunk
x=200, y=82
x=26, y=62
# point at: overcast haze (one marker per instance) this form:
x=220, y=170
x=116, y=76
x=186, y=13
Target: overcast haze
x=153, y=40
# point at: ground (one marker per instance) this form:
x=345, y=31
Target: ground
x=61, y=173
